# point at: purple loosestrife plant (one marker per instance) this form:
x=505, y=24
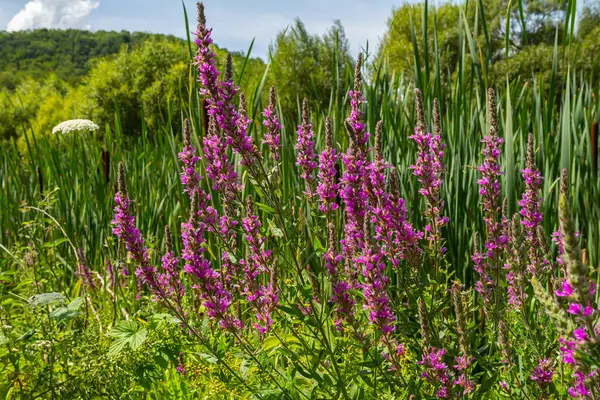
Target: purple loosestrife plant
x=375, y=289
x=215, y=298
x=377, y=301
x=190, y=179
x=221, y=94
x=514, y=266
x=436, y=372
x=343, y=302
x=361, y=136
x=429, y=170
x=543, y=372
x=355, y=180
x=463, y=362
x=181, y=364
x=306, y=152
x=328, y=187
x=530, y=207
x=218, y=167
x=578, y=323
x=168, y=278
x=264, y=299
x=356, y=199
x=241, y=142
x=405, y=243
x=392, y=228
x=208, y=74
x=271, y=122
x=376, y=182
x=124, y=228
x=490, y=190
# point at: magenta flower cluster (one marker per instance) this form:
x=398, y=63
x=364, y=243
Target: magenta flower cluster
x=124, y=228
x=271, y=122
x=437, y=372
x=215, y=298
x=543, y=373
x=490, y=192
x=530, y=208
x=429, y=170
x=263, y=298
x=327, y=189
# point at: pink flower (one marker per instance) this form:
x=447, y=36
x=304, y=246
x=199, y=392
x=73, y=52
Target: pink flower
x=580, y=334
x=575, y=309
x=566, y=291
x=543, y=373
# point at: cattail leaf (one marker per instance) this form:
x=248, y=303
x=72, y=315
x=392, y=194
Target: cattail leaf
x=509, y=151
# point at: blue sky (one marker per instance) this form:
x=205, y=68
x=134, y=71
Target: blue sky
x=235, y=22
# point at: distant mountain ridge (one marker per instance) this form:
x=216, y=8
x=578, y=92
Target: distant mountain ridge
x=67, y=53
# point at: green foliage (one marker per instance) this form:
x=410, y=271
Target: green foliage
x=146, y=78
x=61, y=339
x=66, y=53
x=306, y=65
x=127, y=333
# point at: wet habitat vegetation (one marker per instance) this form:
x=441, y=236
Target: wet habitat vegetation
x=420, y=221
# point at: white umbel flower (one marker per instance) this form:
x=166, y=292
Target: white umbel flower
x=75, y=125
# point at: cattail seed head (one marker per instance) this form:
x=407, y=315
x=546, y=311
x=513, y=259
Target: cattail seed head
x=187, y=137
x=41, y=179
x=205, y=106
x=437, y=124
x=201, y=15
x=121, y=185
x=420, y=110
x=328, y=133
x=106, y=165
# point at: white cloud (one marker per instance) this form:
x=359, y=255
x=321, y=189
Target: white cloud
x=58, y=14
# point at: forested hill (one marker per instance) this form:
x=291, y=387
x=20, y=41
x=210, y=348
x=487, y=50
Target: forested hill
x=64, y=52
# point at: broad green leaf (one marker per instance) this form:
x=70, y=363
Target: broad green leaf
x=68, y=312
x=127, y=333
x=45, y=299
